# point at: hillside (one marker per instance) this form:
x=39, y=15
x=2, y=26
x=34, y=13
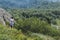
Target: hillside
x=29, y=4
x=33, y=19
x=31, y=24
x=6, y=33
x=45, y=22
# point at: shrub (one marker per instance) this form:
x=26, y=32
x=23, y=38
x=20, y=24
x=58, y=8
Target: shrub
x=38, y=26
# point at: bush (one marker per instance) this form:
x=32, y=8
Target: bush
x=36, y=20
x=38, y=26
x=7, y=33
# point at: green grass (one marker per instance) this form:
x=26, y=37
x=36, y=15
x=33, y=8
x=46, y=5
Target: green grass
x=7, y=33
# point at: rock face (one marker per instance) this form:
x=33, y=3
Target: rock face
x=4, y=16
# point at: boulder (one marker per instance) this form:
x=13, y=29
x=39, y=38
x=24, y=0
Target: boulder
x=4, y=16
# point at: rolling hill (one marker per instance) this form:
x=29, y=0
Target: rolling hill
x=29, y=3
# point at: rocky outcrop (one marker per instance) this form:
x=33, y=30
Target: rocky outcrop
x=4, y=16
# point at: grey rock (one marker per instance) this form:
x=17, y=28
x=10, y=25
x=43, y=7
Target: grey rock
x=4, y=16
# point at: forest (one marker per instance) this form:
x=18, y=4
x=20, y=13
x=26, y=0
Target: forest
x=35, y=20
x=42, y=4
x=39, y=21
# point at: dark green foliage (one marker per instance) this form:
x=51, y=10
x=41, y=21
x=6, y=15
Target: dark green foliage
x=42, y=4
x=49, y=15
x=57, y=38
x=36, y=20
x=37, y=26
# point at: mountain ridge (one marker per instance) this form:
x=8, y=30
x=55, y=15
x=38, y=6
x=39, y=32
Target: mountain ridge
x=26, y=3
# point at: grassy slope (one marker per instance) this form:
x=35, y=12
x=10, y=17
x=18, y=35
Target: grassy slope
x=44, y=37
x=10, y=34
x=7, y=33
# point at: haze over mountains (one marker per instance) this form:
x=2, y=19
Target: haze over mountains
x=28, y=3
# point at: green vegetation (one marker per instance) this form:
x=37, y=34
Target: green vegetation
x=37, y=21
x=6, y=33
x=32, y=24
x=42, y=4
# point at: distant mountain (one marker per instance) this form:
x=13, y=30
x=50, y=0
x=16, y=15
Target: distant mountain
x=28, y=3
